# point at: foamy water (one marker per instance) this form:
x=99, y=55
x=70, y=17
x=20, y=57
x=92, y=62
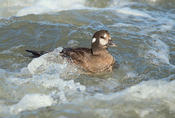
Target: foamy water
x=49, y=86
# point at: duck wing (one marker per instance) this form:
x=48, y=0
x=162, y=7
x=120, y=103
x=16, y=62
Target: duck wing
x=77, y=55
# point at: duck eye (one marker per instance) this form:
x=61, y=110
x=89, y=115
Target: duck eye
x=102, y=37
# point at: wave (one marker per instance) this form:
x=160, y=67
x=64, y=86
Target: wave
x=43, y=6
x=25, y=7
x=147, y=99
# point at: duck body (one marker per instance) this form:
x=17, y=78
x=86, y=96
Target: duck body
x=89, y=62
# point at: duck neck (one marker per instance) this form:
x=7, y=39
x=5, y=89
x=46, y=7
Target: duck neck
x=99, y=51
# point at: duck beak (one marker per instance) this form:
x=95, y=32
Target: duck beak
x=111, y=44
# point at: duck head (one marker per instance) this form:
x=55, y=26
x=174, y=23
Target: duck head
x=101, y=40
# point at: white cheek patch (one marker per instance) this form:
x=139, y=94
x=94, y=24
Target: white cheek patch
x=103, y=42
x=105, y=35
x=93, y=40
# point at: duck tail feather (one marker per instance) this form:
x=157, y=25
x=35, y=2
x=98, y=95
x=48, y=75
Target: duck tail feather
x=36, y=53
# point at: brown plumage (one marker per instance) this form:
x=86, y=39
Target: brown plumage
x=96, y=59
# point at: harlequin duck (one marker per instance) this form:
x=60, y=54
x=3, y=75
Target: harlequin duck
x=95, y=60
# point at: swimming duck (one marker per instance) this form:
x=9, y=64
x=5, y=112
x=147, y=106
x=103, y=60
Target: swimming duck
x=96, y=59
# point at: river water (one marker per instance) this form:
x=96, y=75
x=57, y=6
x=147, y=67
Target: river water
x=49, y=87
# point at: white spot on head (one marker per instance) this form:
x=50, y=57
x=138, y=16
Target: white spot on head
x=93, y=40
x=103, y=41
x=105, y=35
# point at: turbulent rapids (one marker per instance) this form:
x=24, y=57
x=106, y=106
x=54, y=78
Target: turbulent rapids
x=48, y=86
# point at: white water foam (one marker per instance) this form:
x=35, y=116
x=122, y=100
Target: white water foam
x=122, y=6
x=47, y=62
x=45, y=85
x=122, y=25
x=43, y=6
x=11, y=50
x=28, y=102
x=145, y=99
x=167, y=24
x=32, y=102
x=133, y=12
x=49, y=70
x=25, y=7
x=52, y=68
x=159, y=52
x=60, y=91
x=120, y=3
